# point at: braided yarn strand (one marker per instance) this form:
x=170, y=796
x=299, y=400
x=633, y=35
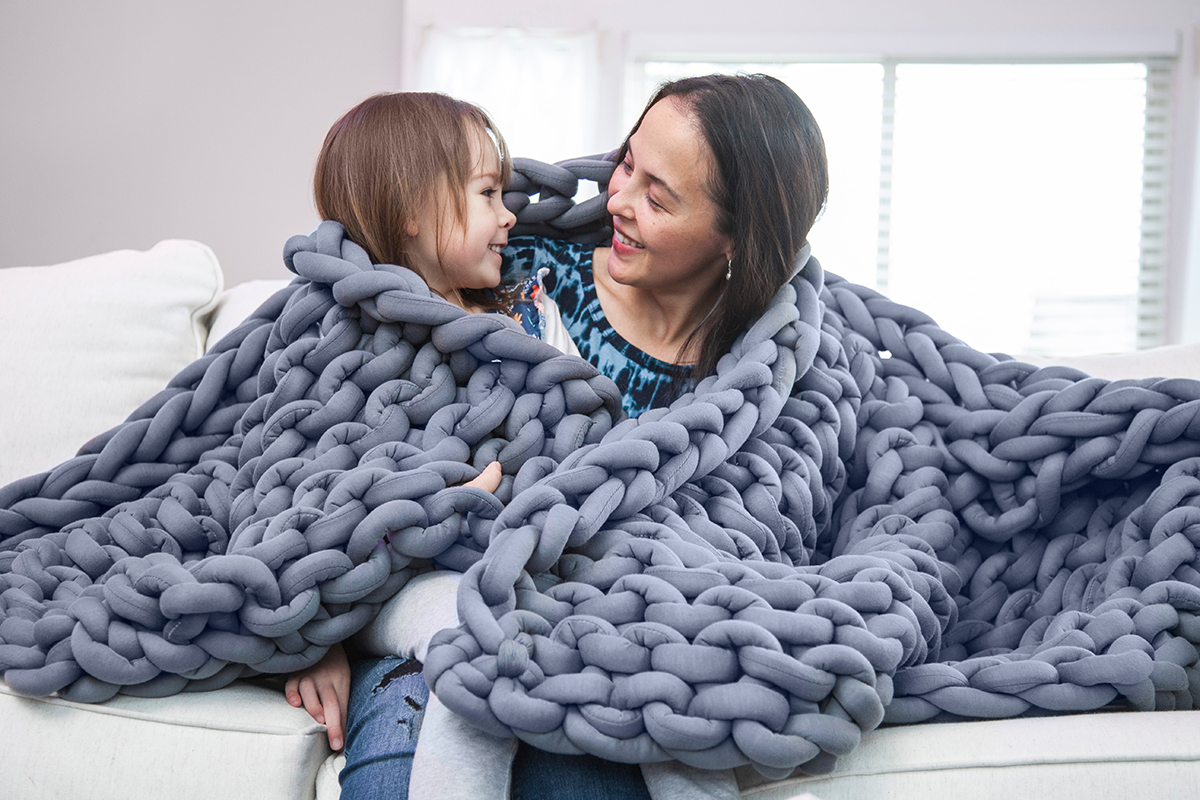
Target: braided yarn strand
x=856, y=519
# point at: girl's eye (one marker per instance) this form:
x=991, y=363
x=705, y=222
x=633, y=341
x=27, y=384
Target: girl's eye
x=489, y=193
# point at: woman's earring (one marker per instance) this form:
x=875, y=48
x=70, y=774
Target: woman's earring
x=729, y=270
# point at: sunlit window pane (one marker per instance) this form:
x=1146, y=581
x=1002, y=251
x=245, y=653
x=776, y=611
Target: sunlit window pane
x=847, y=101
x=1016, y=194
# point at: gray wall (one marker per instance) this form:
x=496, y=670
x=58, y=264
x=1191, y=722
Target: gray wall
x=126, y=122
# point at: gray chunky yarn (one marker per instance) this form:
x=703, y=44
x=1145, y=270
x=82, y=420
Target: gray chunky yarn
x=282, y=487
x=857, y=519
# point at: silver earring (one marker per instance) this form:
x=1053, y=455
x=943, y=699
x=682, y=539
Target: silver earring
x=729, y=270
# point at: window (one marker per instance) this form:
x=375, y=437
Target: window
x=1004, y=200
x=1021, y=205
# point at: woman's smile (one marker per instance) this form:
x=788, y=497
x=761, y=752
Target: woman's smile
x=621, y=240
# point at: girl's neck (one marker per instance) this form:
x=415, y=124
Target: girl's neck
x=455, y=297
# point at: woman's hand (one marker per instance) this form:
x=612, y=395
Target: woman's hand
x=324, y=691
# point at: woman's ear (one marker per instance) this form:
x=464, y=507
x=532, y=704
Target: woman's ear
x=726, y=243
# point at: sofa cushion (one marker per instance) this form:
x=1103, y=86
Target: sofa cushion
x=241, y=741
x=84, y=343
x=1101, y=756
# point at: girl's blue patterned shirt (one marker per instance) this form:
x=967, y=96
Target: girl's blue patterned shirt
x=645, y=382
x=525, y=305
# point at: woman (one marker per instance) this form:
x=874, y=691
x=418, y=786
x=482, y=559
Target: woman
x=712, y=199
x=713, y=196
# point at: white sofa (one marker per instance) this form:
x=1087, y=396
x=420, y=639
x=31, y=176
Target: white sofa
x=82, y=344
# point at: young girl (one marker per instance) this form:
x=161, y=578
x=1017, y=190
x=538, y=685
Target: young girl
x=415, y=179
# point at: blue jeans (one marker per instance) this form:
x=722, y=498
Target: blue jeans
x=538, y=775
x=387, y=703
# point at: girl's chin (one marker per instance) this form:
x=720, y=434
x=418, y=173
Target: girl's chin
x=486, y=279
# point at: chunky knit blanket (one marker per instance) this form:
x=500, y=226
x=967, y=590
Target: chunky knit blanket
x=856, y=519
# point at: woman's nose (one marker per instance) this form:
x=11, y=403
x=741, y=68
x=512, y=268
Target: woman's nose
x=617, y=204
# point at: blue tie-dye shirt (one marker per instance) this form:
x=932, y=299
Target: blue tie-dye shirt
x=645, y=382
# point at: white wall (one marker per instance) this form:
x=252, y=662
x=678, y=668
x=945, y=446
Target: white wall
x=123, y=122
x=126, y=122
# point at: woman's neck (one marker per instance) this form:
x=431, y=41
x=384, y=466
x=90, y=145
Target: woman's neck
x=658, y=323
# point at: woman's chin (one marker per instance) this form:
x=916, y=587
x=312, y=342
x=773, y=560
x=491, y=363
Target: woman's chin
x=620, y=270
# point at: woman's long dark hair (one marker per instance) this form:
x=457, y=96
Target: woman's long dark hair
x=769, y=184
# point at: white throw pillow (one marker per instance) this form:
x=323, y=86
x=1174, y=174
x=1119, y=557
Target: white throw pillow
x=237, y=303
x=84, y=343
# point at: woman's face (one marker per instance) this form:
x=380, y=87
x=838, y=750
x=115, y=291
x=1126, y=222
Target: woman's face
x=665, y=237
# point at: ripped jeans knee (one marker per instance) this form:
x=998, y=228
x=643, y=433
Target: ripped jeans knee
x=387, y=703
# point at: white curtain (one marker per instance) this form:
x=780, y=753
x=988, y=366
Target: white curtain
x=539, y=86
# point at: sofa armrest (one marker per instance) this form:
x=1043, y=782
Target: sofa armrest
x=1169, y=361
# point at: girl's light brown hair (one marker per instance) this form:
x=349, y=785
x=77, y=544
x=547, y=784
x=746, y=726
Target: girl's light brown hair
x=395, y=156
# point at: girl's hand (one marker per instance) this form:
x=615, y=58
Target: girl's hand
x=489, y=479
x=324, y=691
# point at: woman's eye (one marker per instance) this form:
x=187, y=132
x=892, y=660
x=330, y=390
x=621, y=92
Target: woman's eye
x=627, y=166
x=653, y=204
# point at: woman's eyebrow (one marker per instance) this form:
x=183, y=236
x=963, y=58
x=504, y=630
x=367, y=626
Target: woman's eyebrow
x=666, y=187
x=650, y=176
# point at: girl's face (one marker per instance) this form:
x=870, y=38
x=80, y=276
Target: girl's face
x=664, y=221
x=451, y=256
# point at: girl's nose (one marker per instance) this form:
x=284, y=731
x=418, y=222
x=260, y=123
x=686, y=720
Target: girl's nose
x=506, y=218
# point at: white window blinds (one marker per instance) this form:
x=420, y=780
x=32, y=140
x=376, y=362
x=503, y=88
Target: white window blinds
x=1022, y=206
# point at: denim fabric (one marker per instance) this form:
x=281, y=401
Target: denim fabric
x=538, y=775
x=387, y=702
